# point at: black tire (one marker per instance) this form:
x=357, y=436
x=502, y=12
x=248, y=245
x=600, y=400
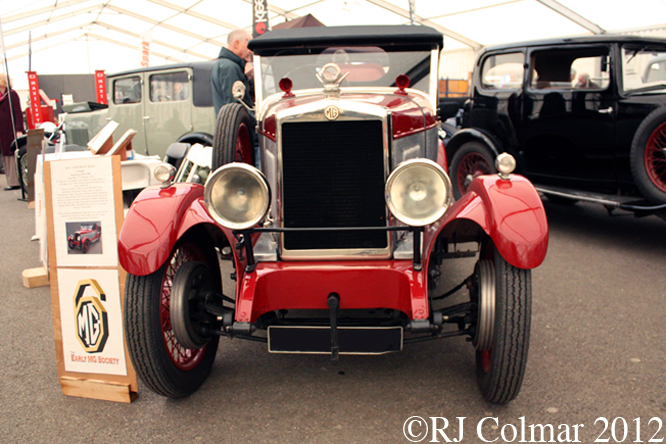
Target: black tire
x=71, y=244
x=233, y=141
x=85, y=246
x=648, y=156
x=502, y=335
x=472, y=159
x=22, y=165
x=173, y=372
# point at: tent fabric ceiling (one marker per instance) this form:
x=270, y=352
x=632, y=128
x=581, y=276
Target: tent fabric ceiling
x=77, y=36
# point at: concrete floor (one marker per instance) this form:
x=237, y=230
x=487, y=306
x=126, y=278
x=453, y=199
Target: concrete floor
x=597, y=351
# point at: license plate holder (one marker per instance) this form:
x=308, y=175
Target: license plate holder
x=351, y=340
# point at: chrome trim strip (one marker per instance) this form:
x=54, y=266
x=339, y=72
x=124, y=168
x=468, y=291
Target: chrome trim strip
x=258, y=83
x=434, y=78
x=263, y=107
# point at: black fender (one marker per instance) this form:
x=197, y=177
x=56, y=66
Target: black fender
x=197, y=137
x=472, y=134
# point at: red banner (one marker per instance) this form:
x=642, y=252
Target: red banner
x=35, y=98
x=100, y=86
x=145, y=53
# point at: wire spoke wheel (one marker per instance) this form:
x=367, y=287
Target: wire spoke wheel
x=648, y=156
x=471, y=160
x=243, y=145
x=165, y=365
x=189, y=321
x=471, y=166
x=655, y=157
x=182, y=357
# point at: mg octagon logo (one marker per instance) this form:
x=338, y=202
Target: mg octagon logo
x=331, y=112
x=90, y=317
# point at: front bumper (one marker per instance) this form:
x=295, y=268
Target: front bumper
x=307, y=285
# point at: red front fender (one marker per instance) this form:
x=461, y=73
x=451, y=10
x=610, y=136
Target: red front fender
x=157, y=219
x=510, y=212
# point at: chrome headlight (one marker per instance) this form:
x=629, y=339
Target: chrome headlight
x=165, y=173
x=237, y=196
x=505, y=164
x=418, y=192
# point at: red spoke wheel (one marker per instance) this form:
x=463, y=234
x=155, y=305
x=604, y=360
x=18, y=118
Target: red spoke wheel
x=471, y=160
x=655, y=157
x=502, y=294
x=243, y=145
x=648, y=156
x=234, y=140
x=182, y=357
x=164, y=364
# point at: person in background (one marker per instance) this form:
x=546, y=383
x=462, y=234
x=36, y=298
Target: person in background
x=178, y=92
x=7, y=134
x=231, y=67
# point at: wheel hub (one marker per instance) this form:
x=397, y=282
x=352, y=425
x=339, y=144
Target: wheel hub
x=190, y=283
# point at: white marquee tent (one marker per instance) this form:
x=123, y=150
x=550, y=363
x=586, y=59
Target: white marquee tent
x=80, y=36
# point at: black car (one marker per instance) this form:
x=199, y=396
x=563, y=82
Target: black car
x=585, y=118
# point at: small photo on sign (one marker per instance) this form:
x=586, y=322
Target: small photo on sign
x=84, y=237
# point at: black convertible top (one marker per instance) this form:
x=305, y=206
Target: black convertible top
x=385, y=36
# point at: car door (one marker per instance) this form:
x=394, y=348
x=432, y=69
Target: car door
x=497, y=97
x=567, y=135
x=167, y=108
x=128, y=108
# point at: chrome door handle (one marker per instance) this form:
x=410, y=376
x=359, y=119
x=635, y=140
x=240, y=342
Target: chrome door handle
x=146, y=117
x=608, y=110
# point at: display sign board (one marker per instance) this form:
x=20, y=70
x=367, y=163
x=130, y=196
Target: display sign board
x=34, y=146
x=84, y=212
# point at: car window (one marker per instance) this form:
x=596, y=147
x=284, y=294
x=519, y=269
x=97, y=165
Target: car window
x=127, y=90
x=363, y=66
x=571, y=69
x=503, y=71
x=643, y=67
x=588, y=73
x=169, y=87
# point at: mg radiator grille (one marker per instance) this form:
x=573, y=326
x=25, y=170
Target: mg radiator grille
x=333, y=177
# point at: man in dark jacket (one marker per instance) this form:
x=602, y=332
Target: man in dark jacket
x=231, y=67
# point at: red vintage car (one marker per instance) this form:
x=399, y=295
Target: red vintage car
x=84, y=237
x=332, y=204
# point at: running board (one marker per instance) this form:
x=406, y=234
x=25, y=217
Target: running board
x=608, y=200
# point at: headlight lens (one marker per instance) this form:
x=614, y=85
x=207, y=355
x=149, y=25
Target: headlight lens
x=237, y=196
x=505, y=164
x=165, y=173
x=418, y=192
